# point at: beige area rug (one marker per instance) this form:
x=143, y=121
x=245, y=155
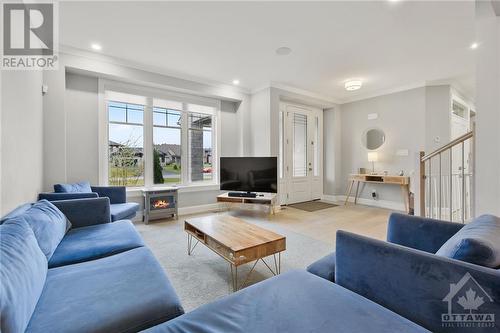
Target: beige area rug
x=312, y=206
x=204, y=276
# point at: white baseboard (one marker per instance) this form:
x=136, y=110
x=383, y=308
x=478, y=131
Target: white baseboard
x=199, y=209
x=392, y=205
x=330, y=198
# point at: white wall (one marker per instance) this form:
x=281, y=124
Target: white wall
x=332, y=147
x=487, y=179
x=21, y=138
x=260, y=123
x=402, y=117
x=81, y=106
x=437, y=117
x=54, y=124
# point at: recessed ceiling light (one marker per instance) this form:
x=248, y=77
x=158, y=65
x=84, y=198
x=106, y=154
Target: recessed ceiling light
x=474, y=46
x=236, y=82
x=284, y=50
x=96, y=47
x=353, y=85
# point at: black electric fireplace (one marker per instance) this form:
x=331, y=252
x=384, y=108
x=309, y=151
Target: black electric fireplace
x=159, y=204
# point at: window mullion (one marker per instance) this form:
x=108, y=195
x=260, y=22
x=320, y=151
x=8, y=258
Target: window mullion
x=185, y=147
x=148, y=143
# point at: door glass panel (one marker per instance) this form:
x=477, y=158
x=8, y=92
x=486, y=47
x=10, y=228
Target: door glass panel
x=316, y=147
x=299, y=145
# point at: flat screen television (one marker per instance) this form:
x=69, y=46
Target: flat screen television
x=249, y=174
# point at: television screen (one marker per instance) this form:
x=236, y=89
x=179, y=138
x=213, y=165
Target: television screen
x=249, y=174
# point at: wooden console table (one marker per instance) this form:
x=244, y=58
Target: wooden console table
x=268, y=199
x=402, y=181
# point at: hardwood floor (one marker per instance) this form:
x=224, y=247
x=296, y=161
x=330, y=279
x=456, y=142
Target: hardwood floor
x=323, y=224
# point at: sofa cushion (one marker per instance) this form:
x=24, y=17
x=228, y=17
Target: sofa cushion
x=16, y=212
x=126, y=292
x=294, y=302
x=324, y=267
x=81, y=187
x=123, y=210
x=23, y=269
x=48, y=223
x=94, y=242
x=477, y=242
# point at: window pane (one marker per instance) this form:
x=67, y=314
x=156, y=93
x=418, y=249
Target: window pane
x=135, y=117
x=159, y=117
x=126, y=165
x=167, y=155
x=166, y=117
x=125, y=113
x=299, y=145
x=117, y=114
x=174, y=118
x=200, y=147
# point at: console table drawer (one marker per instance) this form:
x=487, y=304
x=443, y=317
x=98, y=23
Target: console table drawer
x=396, y=180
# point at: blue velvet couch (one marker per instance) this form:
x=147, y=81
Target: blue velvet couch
x=66, y=268
x=120, y=209
x=406, y=276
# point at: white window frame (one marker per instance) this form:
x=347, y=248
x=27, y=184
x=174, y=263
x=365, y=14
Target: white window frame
x=150, y=94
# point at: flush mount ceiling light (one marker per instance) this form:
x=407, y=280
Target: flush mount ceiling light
x=474, y=46
x=353, y=85
x=96, y=47
x=236, y=82
x=284, y=50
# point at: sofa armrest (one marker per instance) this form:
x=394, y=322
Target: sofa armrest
x=420, y=233
x=85, y=212
x=324, y=267
x=116, y=194
x=412, y=283
x=66, y=196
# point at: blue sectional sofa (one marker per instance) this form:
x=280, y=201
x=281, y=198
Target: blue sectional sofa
x=66, y=268
x=120, y=209
x=410, y=275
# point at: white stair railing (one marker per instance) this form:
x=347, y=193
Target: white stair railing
x=447, y=179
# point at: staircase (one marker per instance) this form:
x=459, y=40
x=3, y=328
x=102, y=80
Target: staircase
x=447, y=181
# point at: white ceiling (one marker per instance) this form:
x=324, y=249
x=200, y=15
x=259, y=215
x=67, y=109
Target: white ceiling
x=390, y=45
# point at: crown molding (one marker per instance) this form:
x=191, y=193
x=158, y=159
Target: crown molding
x=65, y=49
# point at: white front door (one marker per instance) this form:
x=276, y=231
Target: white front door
x=302, y=150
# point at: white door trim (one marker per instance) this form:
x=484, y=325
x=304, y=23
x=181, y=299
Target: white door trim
x=312, y=184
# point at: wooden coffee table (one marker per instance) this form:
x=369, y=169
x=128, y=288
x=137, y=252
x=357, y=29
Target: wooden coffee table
x=236, y=241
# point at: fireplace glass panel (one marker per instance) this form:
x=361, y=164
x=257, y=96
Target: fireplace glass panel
x=162, y=202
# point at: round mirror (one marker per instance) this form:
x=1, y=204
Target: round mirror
x=373, y=138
